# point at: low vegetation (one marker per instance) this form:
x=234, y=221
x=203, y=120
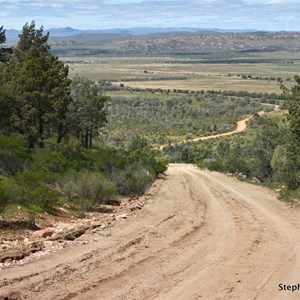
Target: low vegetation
x=50, y=151
x=43, y=179
x=81, y=143
x=164, y=115
x=267, y=151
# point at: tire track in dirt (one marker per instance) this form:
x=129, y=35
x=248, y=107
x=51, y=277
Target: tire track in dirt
x=202, y=235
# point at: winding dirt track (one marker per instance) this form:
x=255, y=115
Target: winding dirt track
x=201, y=235
x=240, y=127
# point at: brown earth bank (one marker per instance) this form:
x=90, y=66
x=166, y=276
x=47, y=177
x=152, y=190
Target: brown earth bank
x=200, y=235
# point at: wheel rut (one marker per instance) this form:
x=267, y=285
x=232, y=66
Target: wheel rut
x=201, y=235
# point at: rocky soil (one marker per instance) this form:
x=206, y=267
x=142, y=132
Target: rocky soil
x=20, y=245
x=199, y=235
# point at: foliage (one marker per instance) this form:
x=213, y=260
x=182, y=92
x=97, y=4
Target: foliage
x=138, y=143
x=133, y=180
x=4, y=52
x=3, y=198
x=13, y=155
x=269, y=137
x=164, y=117
x=39, y=87
x=2, y=35
x=41, y=179
x=86, y=112
x=265, y=151
x=87, y=190
x=286, y=168
x=292, y=102
x=286, y=160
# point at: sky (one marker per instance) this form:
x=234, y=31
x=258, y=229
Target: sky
x=273, y=15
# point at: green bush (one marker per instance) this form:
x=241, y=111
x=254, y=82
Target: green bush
x=50, y=161
x=214, y=165
x=87, y=189
x=133, y=180
x=286, y=166
x=34, y=178
x=10, y=163
x=43, y=197
x=42, y=178
x=13, y=155
x=3, y=198
x=160, y=165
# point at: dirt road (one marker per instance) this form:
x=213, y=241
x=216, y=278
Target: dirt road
x=201, y=235
x=240, y=127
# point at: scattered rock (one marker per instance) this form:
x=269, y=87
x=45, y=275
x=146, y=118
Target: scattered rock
x=44, y=233
x=66, y=206
x=140, y=205
x=119, y=217
x=254, y=179
x=37, y=288
x=12, y=296
x=27, y=241
x=103, y=226
x=17, y=254
x=137, y=206
x=71, y=234
x=60, y=231
x=242, y=175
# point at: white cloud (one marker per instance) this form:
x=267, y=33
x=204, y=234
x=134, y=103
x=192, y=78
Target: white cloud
x=169, y=13
x=274, y=2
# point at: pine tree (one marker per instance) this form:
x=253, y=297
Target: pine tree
x=4, y=96
x=40, y=87
x=286, y=159
x=2, y=35
x=87, y=110
x=4, y=52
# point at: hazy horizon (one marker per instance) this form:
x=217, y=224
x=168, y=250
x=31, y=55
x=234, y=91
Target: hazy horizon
x=268, y=15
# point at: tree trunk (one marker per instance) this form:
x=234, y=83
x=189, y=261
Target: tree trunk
x=31, y=140
x=60, y=133
x=86, y=139
x=91, y=138
x=41, y=133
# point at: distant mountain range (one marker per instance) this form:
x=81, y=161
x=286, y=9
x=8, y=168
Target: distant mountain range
x=164, y=41
x=12, y=34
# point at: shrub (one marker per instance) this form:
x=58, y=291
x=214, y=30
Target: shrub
x=38, y=196
x=213, y=165
x=10, y=163
x=286, y=166
x=87, y=189
x=133, y=180
x=3, y=198
x=34, y=178
x=160, y=165
x=13, y=155
x=50, y=162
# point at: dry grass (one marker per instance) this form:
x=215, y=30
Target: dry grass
x=210, y=84
x=199, y=76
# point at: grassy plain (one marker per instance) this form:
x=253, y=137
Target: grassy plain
x=197, y=73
